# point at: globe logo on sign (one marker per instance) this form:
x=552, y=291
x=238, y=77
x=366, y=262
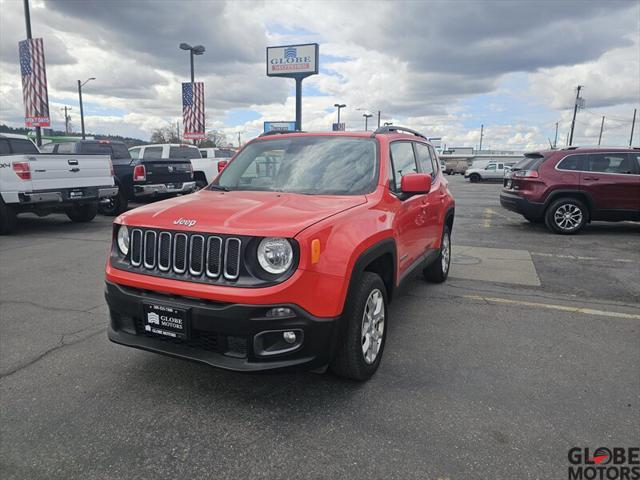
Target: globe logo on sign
x=290, y=52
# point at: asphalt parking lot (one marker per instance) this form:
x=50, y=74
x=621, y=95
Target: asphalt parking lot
x=531, y=348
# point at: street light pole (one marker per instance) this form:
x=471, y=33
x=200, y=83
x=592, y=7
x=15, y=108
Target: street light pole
x=366, y=116
x=339, y=106
x=80, y=85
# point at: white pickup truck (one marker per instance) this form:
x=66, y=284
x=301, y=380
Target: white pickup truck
x=45, y=183
x=205, y=167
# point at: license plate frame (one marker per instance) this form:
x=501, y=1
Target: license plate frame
x=166, y=321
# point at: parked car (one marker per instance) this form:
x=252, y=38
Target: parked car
x=204, y=169
x=136, y=177
x=456, y=166
x=289, y=258
x=570, y=187
x=492, y=171
x=43, y=183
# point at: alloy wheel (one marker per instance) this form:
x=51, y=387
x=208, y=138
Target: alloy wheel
x=568, y=216
x=372, y=329
x=445, y=253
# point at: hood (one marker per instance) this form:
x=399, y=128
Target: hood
x=240, y=212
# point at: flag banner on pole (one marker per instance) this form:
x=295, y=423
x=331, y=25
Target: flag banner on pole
x=193, y=110
x=34, y=83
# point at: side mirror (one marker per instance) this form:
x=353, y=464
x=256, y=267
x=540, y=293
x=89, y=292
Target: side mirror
x=221, y=165
x=415, y=183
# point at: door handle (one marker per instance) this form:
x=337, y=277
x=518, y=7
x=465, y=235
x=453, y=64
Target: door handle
x=592, y=178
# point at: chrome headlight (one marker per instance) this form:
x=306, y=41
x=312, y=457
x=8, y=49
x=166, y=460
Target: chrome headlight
x=275, y=255
x=123, y=240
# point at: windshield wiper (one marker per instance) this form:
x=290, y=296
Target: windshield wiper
x=219, y=187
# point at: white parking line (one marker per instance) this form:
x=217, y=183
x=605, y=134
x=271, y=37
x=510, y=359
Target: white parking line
x=577, y=257
x=564, y=308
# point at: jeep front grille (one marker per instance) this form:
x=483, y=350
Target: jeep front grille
x=178, y=254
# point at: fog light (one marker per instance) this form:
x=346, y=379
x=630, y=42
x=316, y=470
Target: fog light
x=289, y=337
x=280, y=312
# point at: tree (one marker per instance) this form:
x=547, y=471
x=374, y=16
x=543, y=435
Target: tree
x=166, y=134
x=214, y=139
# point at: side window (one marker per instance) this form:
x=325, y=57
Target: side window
x=501, y=166
x=610, y=163
x=572, y=162
x=403, y=161
x=491, y=167
x=135, y=153
x=203, y=153
x=434, y=160
x=152, y=153
x=65, y=147
x=4, y=147
x=424, y=157
x=634, y=159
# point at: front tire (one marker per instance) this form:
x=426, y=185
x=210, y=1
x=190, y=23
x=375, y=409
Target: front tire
x=438, y=271
x=8, y=219
x=360, y=347
x=82, y=213
x=566, y=216
x=474, y=178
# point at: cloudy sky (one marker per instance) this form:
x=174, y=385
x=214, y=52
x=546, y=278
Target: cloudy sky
x=443, y=67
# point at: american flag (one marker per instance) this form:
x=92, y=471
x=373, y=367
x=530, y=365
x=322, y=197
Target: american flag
x=193, y=110
x=34, y=83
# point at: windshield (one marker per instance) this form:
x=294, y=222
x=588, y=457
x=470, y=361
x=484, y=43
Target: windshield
x=309, y=165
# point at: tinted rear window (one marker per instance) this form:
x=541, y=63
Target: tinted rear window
x=18, y=145
x=184, y=152
x=529, y=162
x=115, y=150
x=224, y=153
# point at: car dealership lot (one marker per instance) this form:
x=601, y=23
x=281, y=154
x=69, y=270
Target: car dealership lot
x=530, y=348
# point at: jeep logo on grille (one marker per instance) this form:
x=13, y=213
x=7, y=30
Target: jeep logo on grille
x=185, y=222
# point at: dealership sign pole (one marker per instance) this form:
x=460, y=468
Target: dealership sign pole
x=297, y=62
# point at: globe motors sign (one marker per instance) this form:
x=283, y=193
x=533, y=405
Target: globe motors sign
x=292, y=60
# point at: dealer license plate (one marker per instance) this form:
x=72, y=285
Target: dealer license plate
x=165, y=320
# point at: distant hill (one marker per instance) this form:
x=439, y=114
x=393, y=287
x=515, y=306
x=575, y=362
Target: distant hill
x=129, y=141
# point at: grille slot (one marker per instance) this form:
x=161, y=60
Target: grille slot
x=136, y=247
x=150, y=249
x=214, y=256
x=196, y=255
x=164, y=251
x=180, y=253
x=232, y=258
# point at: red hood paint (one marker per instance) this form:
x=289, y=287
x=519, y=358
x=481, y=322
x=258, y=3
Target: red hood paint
x=240, y=212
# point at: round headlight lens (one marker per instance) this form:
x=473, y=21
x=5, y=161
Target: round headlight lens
x=275, y=255
x=123, y=240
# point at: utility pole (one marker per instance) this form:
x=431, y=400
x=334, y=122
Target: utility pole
x=481, y=135
x=239, y=144
x=601, y=128
x=67, y=117
x=566, y=142
x=378, y=118
x=27, y=21
x=366, y=116
x=575, y=110
x=555, y=141
x=633, y=124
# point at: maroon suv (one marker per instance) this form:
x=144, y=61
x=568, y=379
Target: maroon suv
x=568, y=188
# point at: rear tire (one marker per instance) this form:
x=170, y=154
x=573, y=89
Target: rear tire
x=115, y=205
x=474, y=178
x=566, y=216
x=82, y=213
x=359, y=350
x=438, y=271
x=8, y=218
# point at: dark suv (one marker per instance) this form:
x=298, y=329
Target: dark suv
x=568, y=188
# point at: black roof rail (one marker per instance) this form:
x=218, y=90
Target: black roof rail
x=396, y=128
x=279, y=132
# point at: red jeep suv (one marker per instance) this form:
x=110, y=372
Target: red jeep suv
x=568, y=188
x=289, y=258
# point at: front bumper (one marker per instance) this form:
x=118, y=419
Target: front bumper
x=222, y=334
x=68, y=195
x=163, y=189
x=521, y=205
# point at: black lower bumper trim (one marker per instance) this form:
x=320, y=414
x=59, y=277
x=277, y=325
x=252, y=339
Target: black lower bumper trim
x=521, y=205
x=221, y=334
